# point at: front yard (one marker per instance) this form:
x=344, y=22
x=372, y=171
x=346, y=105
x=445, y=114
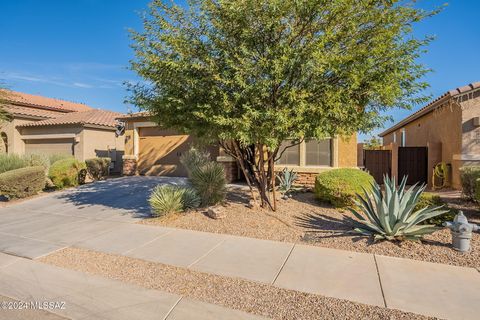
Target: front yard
x=304, y=219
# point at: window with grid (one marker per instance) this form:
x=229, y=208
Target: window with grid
x=318, y=152
x=291, y=154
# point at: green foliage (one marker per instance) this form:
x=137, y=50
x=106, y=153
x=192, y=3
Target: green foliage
x=209, y=182
x=194, y=158
x=11, y=161
x=259, y=72
x=35, y=160
x=58, y=156
x=391, y=214
x=67, y=173
x=339, y=186
x=468, y=177
x=429, y=200
x=166, y=199
x=286, y=179
x=372, y=143
x=23, y=182
x=98, y=168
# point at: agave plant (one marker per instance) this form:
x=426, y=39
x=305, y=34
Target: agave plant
x=286, y=179
x=390, y=215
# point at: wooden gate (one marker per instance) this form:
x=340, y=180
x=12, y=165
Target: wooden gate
x=413, y=162
x=378, y=163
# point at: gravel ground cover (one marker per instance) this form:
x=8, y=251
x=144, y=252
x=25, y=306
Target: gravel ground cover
x=304, y=219
x=249, y=296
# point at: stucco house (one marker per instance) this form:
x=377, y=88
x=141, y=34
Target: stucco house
x=47, y=125
x=150, y=150
x=448, y=130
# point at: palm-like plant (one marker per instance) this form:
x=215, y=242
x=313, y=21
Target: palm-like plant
x=390, y=214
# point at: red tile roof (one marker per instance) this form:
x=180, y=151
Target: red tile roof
x=31, y=112
x=30, y=100
x=92, y=117
x=135, y=115
x=432, y=106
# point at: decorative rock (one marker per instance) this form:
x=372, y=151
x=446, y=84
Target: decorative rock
x=215, y=213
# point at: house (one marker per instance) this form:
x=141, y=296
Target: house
x=150, y=150
x=48, y=126
x=445, y=130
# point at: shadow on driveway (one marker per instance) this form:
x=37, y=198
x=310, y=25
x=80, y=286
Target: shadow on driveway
x=129, y=195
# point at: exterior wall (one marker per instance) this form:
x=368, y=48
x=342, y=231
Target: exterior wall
x=440, y=131
x=77, y=143
x=15, y=143
x=102, y=143
x=347, y=151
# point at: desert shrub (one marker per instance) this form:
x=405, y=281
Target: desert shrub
x=166, y=199
x=58, y=156
x=429, y=200
x=23, y=182
x=194, y=158
x=339, y=186
x=209, y=182
x=66, y=173
x=11, y=162
x=468, y=177
x=98, y=168
x=391, y=214
x=38, y=160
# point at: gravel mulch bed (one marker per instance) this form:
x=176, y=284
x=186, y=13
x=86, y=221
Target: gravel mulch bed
x=256, y=298
x=304, y=219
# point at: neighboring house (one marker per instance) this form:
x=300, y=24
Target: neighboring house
x=150, y=150
x=48, y=126
x=446, y=130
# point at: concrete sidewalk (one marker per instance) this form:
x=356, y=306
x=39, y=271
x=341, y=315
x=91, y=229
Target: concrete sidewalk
x=82, y=296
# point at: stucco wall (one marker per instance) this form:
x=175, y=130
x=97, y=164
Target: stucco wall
x=15, y=143
x=440, y=131
x=347, y=151
x=102, y=143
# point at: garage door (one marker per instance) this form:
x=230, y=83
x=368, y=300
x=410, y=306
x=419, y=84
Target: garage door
x=160, y=151
x=49, y=146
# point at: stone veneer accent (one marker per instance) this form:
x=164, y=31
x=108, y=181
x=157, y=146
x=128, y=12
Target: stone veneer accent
x=230, y=166
x=306, y=179
x=129, y=166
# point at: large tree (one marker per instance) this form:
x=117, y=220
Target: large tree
x=252, y=73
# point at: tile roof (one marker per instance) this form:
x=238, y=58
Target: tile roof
x=432, y=106
x=31, y=112
x=142, y=114
x=31, y=100
x=91, y=117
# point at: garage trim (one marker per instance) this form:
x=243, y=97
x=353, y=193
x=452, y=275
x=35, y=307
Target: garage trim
x=49, y=136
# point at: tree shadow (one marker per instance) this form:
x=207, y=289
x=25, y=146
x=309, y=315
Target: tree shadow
x=128, y=195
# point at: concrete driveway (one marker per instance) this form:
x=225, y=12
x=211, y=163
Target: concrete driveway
x=36, y=227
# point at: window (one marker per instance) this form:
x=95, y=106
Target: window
x=291, y=155
x=3, y=143
x=318, y=152
x=395, y=137
x=403, y=138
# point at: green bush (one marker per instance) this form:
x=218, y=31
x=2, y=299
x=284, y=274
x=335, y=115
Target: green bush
x=194, y=158
x=11, y=162
x=98, y=168
x=23, y=182
x=428, y=199
x=38, y=160
x=468, y=177
x=339, y=186
x=210, y=183
x=58, y=156
x=66, y=173
x=166, y=199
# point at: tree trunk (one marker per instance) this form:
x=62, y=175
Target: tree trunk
x=258, y=171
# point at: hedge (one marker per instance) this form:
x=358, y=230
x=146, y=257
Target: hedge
x=23, y=182
x=67, y=173
x=469, y=176
x=339, y=186
x=98, y=168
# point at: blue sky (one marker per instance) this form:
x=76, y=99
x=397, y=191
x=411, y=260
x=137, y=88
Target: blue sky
x=79, y=49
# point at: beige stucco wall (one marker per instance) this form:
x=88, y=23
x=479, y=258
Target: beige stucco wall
x=347, y=151
x=102, y=143
x=441, y=132
x=15, y=143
